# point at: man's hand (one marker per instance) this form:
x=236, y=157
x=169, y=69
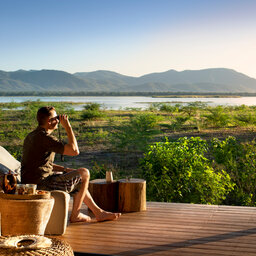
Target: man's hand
x=64, y=121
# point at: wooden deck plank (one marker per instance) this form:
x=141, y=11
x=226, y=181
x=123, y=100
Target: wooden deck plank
x=170, y=229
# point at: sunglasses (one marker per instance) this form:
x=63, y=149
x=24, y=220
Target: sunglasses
x=55, y=118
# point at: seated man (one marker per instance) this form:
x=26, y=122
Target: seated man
x=37, y=165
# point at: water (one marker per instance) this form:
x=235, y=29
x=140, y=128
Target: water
x=123, y=102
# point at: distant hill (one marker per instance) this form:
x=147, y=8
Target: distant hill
x=220, y=80
x=43, y=80
x=107, y=80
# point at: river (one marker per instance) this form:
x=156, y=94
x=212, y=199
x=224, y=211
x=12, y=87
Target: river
x=123, y=102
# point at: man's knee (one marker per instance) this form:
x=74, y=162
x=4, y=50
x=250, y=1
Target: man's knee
x=85, y=174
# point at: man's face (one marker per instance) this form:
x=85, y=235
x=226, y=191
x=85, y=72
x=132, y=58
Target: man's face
x=53, y=121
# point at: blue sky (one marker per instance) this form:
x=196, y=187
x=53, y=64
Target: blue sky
x=131, y=37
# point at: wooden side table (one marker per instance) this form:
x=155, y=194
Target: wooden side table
x=105, y=194
x=131, y=195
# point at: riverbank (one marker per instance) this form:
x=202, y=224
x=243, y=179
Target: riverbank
x=126, y=94
x=197, y=96
x=129, y=102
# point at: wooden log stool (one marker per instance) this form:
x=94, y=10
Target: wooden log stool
x=105, y=194
x=132, y=195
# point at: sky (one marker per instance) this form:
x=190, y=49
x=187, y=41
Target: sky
x=130, y=37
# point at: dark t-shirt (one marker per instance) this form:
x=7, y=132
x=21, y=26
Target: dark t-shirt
x=39, y=150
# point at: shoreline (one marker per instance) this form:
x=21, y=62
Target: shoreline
x=198, y=96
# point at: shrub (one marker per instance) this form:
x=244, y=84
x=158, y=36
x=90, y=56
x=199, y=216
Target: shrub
x=154, y=106
x=137, y=133
x=180, y=172
x=193, y=107
x=244, y=119
x=217, y=117
x=164, y=107
x=169, y=108
x=92, y=106
x=178, y=122
x=239, y=160
x=92, y=111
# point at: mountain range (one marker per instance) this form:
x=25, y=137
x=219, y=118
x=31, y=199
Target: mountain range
x=220, y=80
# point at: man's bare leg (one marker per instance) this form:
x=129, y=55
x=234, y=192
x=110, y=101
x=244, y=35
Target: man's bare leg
x=84, y=196
x=76, y=215
x=100, y=214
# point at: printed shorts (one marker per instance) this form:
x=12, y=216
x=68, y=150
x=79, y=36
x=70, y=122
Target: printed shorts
x=69, y=182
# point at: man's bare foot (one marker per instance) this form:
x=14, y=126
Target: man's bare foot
x=80, y=218
x=103, y=216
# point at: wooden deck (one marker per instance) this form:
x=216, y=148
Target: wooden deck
x=170, y=229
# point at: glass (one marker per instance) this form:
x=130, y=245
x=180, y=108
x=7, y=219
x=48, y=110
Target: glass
x=21, y=189
x=109, y=177
x=31, y=189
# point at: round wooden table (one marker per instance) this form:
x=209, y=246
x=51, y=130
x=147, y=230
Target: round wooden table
x=104, y=194
x=131, y=195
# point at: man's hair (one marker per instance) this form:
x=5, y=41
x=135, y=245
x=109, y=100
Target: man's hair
x=43, y=114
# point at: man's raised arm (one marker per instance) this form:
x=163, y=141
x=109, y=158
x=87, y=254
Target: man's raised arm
x=70, y=149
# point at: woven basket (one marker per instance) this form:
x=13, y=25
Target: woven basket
x=59, y=247
x=20, y=217
x=46, y=195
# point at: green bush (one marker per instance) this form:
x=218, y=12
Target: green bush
x=244, y=119
x=217, y=117
x=154, y=106
x=239, y=160
x=169, y=108
x=137, y=133
x=164, y=107
x=92, y=111
x=92, y=106
x=193, y=107
x=178, y=122
x=180, y=172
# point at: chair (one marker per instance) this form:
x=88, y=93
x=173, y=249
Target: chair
x=59, y=216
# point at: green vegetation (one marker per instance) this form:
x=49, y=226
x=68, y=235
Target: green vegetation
x=185, y=152
x=217, y=117
x=239, y=161
x=137, y=133
x=196, y=171
x=180, y=172
x=92, y=111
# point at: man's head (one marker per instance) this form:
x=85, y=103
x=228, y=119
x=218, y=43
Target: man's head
x=47, y=117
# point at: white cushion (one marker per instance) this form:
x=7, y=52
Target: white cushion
x=7, y=161
x=59, y=217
